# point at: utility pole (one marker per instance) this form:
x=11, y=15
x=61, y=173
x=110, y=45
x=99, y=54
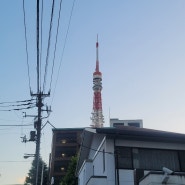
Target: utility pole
x=38, y=129
x=40, y=95
x=39, y=102
x=38, y=124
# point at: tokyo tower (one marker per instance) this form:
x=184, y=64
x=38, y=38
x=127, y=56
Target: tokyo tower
x=97, y=113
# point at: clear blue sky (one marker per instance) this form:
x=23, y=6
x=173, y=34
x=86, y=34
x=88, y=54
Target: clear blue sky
x=142, y=59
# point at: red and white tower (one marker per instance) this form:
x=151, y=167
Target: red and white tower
x=97, y=113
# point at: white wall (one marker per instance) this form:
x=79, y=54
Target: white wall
x=94, y=168
x=97, y=181
x=96, y=141
x=126, y=177
x=110, y=161
x=98, y=160
x=86, y=173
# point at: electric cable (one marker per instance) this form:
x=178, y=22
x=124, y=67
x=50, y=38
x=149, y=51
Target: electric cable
x=47, y=123
x=61, y=60
x=111, y=153
x=37, y=43
x=48, y=47
x=8, y=110
x=24, y=104
x=21, y=105
x=12, y=120
x=16, y=125
x=18, y=116
x=42, y=9
x=18, y=101
x=14, y=161
x=55, y=45
x=26, y=40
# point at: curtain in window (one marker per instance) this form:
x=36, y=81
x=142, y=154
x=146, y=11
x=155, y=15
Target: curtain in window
x=153, y=159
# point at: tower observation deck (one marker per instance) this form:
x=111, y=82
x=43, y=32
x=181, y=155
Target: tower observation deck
x=97, y=113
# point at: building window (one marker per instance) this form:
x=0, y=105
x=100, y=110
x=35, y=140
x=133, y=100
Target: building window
x=153, y=159
x=134, y=124
x=124, y=157
x=182, y=160
x=60, y=166
x=69, y=137
x=62, y=152
x=118, y=124
x=150, y=159
x=63, y=141
x=63, y=155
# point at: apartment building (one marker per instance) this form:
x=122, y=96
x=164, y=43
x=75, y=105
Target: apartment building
x=65, y=144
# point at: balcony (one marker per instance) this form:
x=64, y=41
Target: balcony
x=62, y=158
x=157, y=178
x=59, y=173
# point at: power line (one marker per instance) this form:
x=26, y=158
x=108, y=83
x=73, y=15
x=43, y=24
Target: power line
x=15, y=161
x=48, y=48
x=2, y=119
x=18, y=109
x=37, y=41
x=16, y=125
x=17, y=101
x=19, y=104
x=63, y=49
x=42, y=9
x=55, y=44
x=24, y=104
x=25, y=31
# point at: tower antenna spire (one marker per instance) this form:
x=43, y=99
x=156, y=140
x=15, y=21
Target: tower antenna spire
x=97, y=113
x=97, y=57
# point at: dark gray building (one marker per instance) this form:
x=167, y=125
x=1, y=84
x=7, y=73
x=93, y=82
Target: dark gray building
x=65, y=144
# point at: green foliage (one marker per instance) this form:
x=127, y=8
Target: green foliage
x=70, y=178
x=31, y=178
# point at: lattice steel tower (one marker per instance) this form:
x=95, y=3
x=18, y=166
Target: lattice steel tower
x=97, y=113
